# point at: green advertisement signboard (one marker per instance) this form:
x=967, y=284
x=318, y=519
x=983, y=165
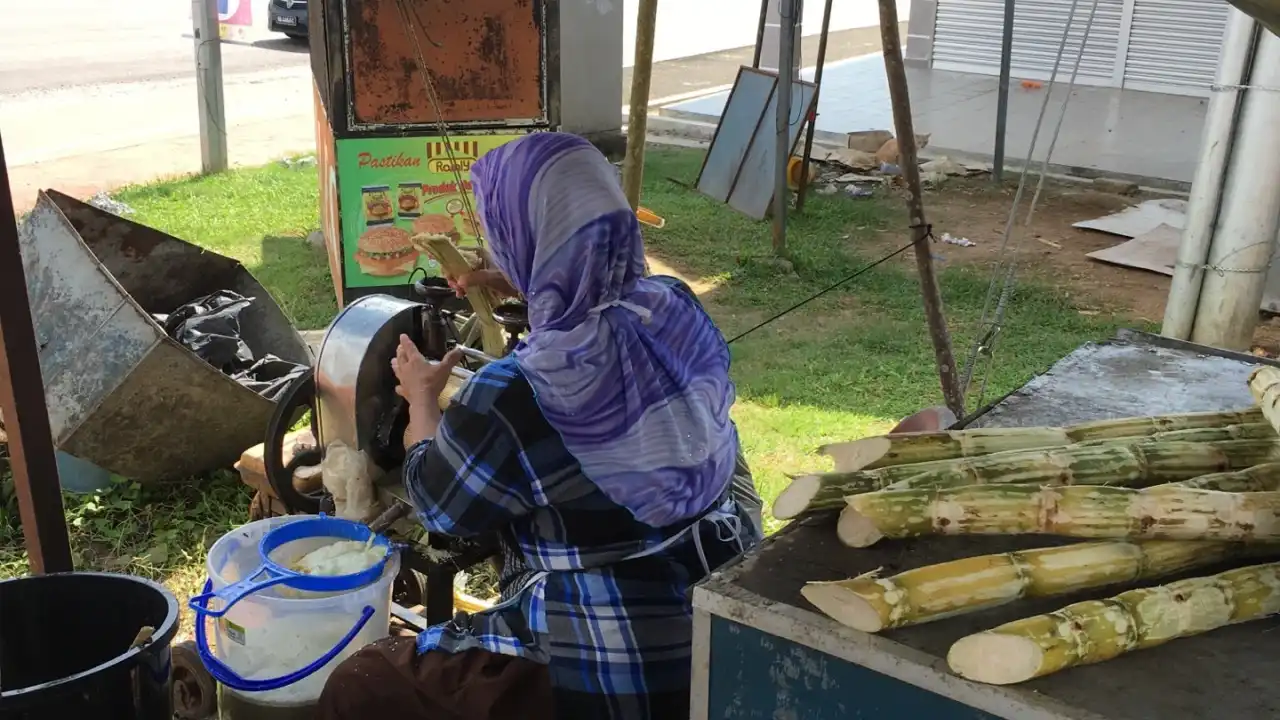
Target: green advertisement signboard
x=392, y=188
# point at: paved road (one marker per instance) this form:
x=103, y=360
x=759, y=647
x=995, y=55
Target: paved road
x=47, y=45
x=99, y=93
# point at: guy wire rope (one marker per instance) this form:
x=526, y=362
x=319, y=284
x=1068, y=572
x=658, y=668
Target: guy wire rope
x=985, y=342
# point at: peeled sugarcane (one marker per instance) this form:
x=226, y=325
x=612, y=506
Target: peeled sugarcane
x=871, y=604
x=908, y=448
x=1098, y=630
x=1264, y=385
x=1140, y=462
x=1259, y=478
x=1166, y=512
x=455, y=264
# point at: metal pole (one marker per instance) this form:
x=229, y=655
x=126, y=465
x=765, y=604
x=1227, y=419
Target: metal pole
x=817, y=95
x=213, y=112
x=786, y=71
x=26, y=417
x=1002, y=100
x=637, y=124
x=896, y=74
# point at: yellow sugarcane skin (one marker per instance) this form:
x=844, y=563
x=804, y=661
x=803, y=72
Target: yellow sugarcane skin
x=1259, y=478
x=1098, y=630
x=1159, y=513
x=971, y=584
x=1129, y=427
x=1264, y=385
x=965, y=585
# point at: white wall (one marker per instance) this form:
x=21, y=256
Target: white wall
x=696, y=27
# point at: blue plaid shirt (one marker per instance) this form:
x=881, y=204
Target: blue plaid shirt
x=615, y=630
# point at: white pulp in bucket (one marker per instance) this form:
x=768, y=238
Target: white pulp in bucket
x=344, y=557
x=278, y=630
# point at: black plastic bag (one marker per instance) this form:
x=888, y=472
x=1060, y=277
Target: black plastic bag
x=210, y=328
x=269, y=376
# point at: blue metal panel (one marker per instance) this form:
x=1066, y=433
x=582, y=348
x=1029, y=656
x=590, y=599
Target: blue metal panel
x=755, y=675
x=742, y=115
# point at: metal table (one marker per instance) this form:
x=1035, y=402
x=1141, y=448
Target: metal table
x=761, y=651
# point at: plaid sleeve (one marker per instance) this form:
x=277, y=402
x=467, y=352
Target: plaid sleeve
x=469, y=479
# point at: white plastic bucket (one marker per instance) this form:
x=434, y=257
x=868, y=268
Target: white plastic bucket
x=279, y=632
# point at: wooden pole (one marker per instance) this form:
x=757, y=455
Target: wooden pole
x=637, y=124
x=787, y=11
x=26, y=417
x=817, y=95
x=896, y=74
x=212, y=108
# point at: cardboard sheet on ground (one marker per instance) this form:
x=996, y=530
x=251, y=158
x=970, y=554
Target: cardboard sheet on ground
x=1155, y=228
x=1141, y=218
x=1156, y=250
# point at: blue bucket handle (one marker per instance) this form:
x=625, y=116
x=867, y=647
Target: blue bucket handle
x=234, y=593
x=225, y=675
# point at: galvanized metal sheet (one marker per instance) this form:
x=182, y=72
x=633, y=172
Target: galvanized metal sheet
x=753, y=192
x=121, y=393
x=89, y=334
x=743, y=114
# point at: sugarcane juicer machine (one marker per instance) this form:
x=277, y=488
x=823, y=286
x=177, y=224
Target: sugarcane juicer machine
x=350, y=394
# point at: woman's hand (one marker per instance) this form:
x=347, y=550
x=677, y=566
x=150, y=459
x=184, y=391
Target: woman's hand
x=484, y=278
x=421, y=381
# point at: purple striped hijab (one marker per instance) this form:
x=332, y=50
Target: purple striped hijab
x=632, y=373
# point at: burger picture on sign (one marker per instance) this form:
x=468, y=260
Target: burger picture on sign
x=386, y=252
x=437, y=224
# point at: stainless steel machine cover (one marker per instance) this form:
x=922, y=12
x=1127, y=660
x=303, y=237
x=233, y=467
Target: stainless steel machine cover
x=355, y=386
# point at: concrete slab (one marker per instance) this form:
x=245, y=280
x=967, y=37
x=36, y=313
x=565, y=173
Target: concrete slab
x=1149, y=137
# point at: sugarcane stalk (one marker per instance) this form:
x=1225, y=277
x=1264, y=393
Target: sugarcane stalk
x=908, y=448
x=872, y=604
x=1098, y=630
x=1139, y=462
x=1166, y=512
x=455, y=264
x=1259, y=478
x=1264, y=385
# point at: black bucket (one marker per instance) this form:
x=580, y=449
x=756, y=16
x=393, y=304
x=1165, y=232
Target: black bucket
x=65, y=648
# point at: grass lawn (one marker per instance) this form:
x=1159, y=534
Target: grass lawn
x=847, y=365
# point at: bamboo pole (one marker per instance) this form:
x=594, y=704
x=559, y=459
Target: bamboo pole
x=638, y=119
x=904, y=128
x=1098, y=630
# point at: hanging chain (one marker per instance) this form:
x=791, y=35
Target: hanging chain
x=441, y=126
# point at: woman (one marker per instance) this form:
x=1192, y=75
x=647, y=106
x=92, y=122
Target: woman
x=601, y=451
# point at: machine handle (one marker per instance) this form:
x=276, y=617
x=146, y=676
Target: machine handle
x=225, y=675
